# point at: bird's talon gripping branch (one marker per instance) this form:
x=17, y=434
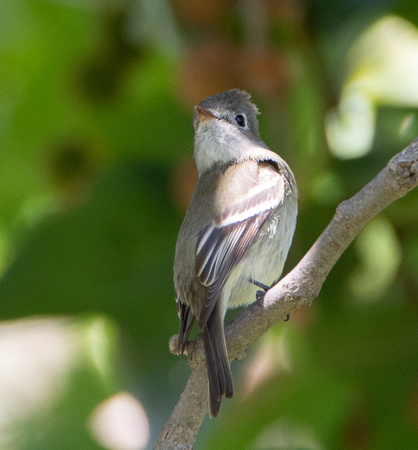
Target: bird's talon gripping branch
x=260, y=295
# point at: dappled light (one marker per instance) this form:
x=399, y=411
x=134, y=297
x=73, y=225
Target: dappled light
x=381, y=70
x=44, y=364
x=120, y=423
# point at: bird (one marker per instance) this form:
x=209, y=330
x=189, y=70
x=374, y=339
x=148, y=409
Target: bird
x=237, y=230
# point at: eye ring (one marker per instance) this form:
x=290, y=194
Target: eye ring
x=240, y=120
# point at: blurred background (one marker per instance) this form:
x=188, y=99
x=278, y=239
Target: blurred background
x=96, y=171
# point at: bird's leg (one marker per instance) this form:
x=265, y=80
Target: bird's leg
x=260, y=285
x=261, y=294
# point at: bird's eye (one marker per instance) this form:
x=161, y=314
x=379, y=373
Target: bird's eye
x=240, y=119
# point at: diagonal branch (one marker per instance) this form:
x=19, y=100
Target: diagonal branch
x=298, y=289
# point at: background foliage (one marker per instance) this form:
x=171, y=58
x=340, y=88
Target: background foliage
x=96, y=171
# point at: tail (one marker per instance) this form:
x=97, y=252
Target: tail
x=219, y=372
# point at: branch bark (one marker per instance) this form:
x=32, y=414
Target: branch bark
x=295, y=291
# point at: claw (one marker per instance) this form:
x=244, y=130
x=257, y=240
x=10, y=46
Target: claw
x=260, y=295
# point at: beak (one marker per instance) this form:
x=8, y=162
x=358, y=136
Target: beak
x=203, y=114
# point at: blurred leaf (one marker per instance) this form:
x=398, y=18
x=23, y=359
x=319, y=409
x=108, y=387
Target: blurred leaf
x=46, y=363
x=386, y=52
x=380, y=257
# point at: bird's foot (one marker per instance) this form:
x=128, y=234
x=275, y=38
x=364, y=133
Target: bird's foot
x=261, y=294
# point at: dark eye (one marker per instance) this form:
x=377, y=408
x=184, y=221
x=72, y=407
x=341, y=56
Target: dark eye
x=240, y=119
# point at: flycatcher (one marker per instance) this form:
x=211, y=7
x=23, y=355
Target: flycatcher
x=237, y=231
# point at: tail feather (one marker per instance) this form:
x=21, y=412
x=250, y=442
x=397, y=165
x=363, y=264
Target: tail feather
x=219, y=371
x=186, y=323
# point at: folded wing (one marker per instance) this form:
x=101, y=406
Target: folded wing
x=222, y=244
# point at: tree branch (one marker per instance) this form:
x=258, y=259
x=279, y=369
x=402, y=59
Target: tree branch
x=298, y=289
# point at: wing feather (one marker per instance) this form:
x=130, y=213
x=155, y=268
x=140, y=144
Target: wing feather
x=222, y=243
x=216, y=267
